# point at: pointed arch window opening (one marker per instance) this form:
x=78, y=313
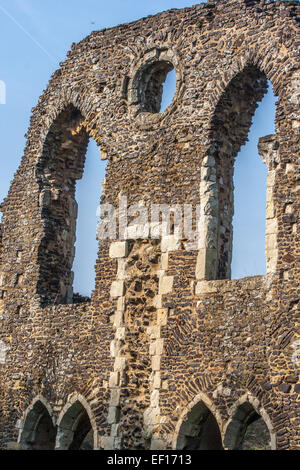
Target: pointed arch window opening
x=229, y=132
x=200, y=430
x=248, y=430
x=38, y=431
x=61, y=168
x=75, y=431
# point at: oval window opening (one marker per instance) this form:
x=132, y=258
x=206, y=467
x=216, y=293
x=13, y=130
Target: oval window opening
x=156, y=87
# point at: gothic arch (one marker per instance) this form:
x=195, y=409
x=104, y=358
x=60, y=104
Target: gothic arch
x=38, y=426
x=199, y=426
x=60, y=166
x=240, y=62
x=246, y=412
x=228, y=130
x=75, y=422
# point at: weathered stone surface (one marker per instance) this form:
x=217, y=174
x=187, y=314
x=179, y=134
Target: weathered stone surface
x=118, y=250
x=166, y=285
x=168, y=342
x=117, y=289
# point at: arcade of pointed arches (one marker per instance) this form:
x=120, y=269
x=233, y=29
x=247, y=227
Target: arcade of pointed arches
x=200, y=426
x=75, y=428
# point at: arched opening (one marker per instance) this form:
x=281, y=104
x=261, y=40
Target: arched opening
x=74, y=431
x=229, y=132
x=156, y=86
x=61, y=166
x=247, y=430
x=200, y=430
x=38, y=432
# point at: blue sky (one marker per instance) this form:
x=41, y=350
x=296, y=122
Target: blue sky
x=35, y=37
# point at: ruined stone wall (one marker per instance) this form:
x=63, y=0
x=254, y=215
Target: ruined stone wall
x=167, y=340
